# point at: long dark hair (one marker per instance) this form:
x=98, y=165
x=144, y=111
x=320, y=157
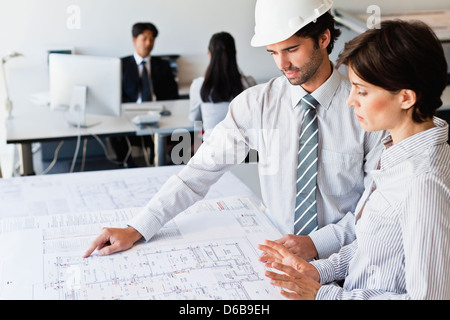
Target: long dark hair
x=401, y=55
x=222, y=78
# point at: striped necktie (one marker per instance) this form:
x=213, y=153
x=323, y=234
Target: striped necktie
x=305, y=206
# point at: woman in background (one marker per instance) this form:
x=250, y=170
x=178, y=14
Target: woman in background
x=210, y=95
x=402, y=222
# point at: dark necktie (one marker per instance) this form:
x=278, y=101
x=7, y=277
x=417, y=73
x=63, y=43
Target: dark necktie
x=305, y=206
x=145, y=84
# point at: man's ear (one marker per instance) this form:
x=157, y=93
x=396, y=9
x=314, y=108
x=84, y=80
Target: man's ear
x=408, y=98
x=324, y=39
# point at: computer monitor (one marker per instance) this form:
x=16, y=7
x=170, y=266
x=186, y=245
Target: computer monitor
x=100, y=77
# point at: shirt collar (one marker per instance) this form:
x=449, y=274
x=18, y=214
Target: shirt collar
x=139, y=59
x=324, y=94
x=416, y=144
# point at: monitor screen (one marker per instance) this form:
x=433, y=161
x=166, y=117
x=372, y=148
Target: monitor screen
x=100, y=75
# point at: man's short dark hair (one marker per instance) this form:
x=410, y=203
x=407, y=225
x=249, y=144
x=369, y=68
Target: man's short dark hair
x=314, y=30
x=140, y=27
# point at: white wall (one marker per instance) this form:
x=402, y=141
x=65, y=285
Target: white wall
x=185, y=26
x=34, y=26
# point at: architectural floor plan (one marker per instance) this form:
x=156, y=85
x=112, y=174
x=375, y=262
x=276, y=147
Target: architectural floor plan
x=220, y=269
x=94, y=191
x=207, y=252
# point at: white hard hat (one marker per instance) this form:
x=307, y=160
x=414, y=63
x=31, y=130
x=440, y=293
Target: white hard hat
x=277, y=20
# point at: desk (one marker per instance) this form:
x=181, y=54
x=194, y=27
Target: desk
x=39, y=123
x=166, y=125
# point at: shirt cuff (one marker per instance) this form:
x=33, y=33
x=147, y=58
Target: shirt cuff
x=326, y=270
x=325, y=242
x=146, y=224
x=173, y=197
x=329, y=292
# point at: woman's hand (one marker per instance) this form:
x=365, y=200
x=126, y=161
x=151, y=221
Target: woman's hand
x=275, y=252
x=299, y=279
x=298, y=285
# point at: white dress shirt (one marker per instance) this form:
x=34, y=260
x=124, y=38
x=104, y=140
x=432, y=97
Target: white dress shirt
x=267, y=118
x=402, y=246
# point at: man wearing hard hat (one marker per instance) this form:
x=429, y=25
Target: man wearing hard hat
x=313, y=155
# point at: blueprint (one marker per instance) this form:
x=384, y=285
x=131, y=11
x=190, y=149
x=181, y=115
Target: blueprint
x=206, y=252
x=217, y=269
x=96, y=190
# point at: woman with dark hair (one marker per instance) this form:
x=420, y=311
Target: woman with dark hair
x=210, y=95
x=402, y=221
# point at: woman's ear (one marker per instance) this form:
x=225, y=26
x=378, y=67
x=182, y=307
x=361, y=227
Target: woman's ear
x=407, y=98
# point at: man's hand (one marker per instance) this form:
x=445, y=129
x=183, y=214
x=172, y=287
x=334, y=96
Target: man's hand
x=301, y=246
x=111, y=240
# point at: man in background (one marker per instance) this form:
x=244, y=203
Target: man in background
x=144, y=78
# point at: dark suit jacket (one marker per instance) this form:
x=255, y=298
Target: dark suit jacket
x=164, y=85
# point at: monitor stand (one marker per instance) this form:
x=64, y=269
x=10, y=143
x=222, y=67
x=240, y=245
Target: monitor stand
x=76, y=115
